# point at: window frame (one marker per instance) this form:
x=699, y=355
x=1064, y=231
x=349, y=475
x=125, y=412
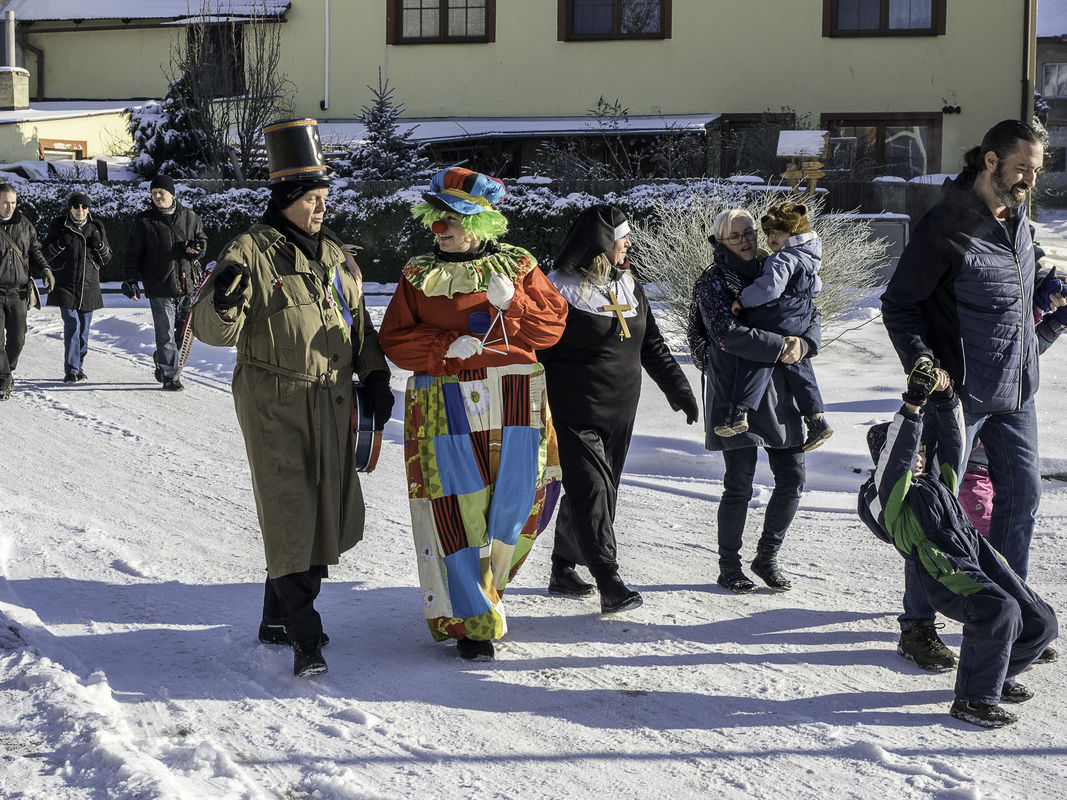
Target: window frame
x=881, y=121
x=1044, y=79
x=565, y=17
x=232, y=61
x=938, y=9
x=394, y=26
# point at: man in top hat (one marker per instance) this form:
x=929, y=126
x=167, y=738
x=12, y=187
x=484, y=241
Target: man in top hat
x=166, y=243
x=289, y=298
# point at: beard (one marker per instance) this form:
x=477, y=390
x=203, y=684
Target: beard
x=1006, y=192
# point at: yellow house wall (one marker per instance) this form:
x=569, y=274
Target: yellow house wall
x=104, y=134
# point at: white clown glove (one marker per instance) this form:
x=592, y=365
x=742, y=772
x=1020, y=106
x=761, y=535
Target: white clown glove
x=464, y=347
x=500, y=291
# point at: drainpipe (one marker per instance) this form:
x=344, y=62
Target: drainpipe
x=325, y=102
x=39, y=55
x=1027, y=113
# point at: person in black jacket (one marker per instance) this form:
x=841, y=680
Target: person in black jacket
x=911, y=503
x=76, y=246
x=20, y=256
x=593, y=376
x=962, y=296
x=166, y=244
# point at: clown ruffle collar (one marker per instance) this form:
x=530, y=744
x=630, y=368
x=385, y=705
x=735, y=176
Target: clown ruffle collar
x=437, y=278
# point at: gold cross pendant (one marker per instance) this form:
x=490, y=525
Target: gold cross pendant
x=618, y=308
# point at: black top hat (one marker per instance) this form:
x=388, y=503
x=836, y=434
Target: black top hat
x=294, y=152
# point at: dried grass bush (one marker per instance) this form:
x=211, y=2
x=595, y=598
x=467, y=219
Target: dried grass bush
x=671, y=249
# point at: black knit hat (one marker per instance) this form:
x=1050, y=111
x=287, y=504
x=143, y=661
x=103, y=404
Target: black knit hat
x=79, y=199
x=163, y=182
x=791, y=218
x=592, y=233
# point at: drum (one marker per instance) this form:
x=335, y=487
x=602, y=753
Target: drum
x=368, y=442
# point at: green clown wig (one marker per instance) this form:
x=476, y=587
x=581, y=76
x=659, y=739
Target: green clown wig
x=486, y=226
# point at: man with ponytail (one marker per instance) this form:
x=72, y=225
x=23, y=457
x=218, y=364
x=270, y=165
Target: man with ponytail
x=962, y=297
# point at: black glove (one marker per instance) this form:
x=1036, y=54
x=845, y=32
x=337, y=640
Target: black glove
x=130, y=289
x=230, y=285
x=380, y=395
x=93, y=238
x=921, y=381
x=687, y=403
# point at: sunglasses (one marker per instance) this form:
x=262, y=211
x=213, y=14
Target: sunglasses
x=79, y=205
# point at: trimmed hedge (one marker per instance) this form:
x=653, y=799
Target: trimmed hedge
x=382, y=226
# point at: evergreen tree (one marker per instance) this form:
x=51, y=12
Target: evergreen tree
x=387, y=154
x=167, y=135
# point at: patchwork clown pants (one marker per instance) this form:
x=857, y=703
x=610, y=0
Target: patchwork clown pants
x=483, y=480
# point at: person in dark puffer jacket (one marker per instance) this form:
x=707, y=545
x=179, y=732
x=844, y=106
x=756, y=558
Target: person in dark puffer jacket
x=76, y=247
x=961, y=296
x=166, y=244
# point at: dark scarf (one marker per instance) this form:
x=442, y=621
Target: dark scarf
x=310, y=244
x=487, y=249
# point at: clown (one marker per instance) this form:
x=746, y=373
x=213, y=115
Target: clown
x=482, y=474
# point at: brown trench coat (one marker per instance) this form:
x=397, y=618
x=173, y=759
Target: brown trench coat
x=292, y=389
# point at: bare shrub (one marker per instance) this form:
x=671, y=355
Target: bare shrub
x=672, y=249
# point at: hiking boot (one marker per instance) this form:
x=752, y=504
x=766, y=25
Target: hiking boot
x=1015, y=693
x=922, y=645
x=615, y=596
x=736, y=582
x=819, y=431
x=173, y=386
x=82, y=376
x=565, y=581
x=1048, y=655
x=160, y=377
x=307, y=659
x=736, y=422
x=70, y=377
x=6, y=385
x=766, y=569
x=476, y=649
x=981, y=714
x=272, y=633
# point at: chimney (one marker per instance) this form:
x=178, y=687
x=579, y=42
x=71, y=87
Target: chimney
x=14, y=81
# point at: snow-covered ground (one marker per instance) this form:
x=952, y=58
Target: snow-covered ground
x=131, y=578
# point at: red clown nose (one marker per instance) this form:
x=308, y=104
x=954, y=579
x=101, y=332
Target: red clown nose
x=439, y=226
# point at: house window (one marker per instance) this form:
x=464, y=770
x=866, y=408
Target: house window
x=902, y=145
x=440, y=21
x=614, y=19
x=218, y=51
x=1055, y=83
x=883, y=17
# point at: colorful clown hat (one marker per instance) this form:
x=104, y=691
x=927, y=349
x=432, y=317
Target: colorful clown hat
x=464, y=191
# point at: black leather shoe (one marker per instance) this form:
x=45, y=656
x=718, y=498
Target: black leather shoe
x=615, y=596
x=736, y=582
x=307, y=659
x=82, y=376
x=766, y=569
x=173, y=386
x=1048, y=655
x=275, y=634
x=476, y=649
x=565, y=581
x=70, y=377
x=1015, y=693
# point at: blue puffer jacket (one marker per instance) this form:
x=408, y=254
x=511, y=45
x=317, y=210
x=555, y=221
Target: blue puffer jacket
x=962, y=293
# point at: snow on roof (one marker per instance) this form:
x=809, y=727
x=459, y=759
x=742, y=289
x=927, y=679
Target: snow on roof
x=66, y=110
x=439, y=129
x=1052, y=18
x=139, y=9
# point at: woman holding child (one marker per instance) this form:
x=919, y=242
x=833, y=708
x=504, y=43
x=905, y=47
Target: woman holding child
x=718, y=341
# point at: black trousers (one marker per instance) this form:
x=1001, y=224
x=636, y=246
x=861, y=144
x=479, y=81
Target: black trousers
x=12, y=330
x=290, y=601
x=592, y=464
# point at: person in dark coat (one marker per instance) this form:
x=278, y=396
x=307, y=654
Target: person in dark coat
x=76, y=247
x=962, y=296
x=716, y=340
x=20, y=257
x=166, y=243
x=911, y=503
x=594, y=383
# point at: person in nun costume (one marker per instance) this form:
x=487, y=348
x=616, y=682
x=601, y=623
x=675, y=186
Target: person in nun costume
x=594, y=382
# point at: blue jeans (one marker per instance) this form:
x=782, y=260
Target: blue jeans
x=168, y=317
x=75, y=337
x=787, y=466
x=1010, y=441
